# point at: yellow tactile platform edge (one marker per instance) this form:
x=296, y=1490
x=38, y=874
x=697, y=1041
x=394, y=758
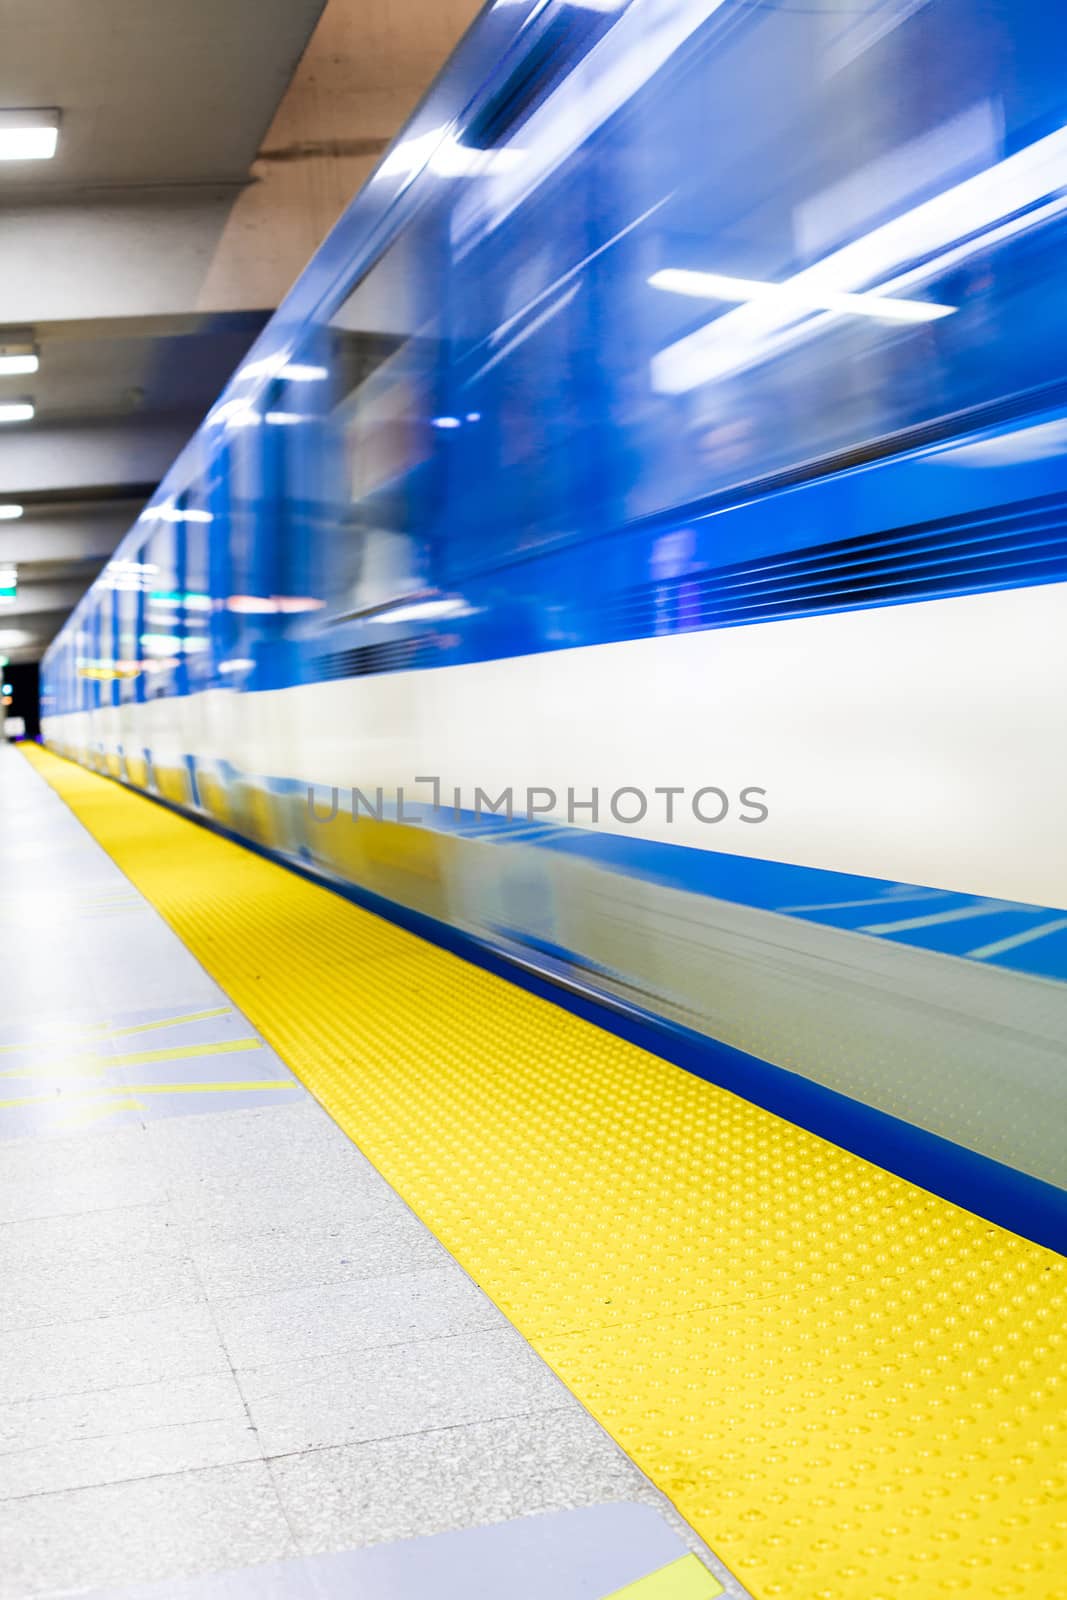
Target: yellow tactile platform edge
x=852, y=1390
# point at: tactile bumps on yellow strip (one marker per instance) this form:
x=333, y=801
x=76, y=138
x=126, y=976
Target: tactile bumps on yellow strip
x=853, y=1390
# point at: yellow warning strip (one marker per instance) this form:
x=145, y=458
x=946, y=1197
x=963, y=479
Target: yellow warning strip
x=687, y=1579
x=852, y=1389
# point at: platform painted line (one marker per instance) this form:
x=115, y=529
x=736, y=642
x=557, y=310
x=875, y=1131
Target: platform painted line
x=74, y=1065
x=687, y=1579
x=107, y=1031
x=133, y=1089
x=59, y=1042
x=851, y=1388
x=170, y=1022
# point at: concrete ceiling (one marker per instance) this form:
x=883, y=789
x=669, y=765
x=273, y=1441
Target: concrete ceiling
x=151, y=91
x=102, y=252
x=205, y=149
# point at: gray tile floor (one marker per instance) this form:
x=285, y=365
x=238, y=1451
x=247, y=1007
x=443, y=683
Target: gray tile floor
x=225, y=1342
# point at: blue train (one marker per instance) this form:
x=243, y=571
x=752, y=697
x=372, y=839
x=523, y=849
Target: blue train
x=637, y=548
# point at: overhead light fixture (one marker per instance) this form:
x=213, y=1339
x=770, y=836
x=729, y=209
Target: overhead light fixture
x=303, y=372
x=266, y=366
x=1021, y=192
x=167, y=511
x=18, y=358
x=10, y=513
x=16, y=410
x=795, y=297
x=28, y=135
x=253, y=605
x=235, y=413
x=425, y=611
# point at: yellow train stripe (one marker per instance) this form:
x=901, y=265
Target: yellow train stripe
x=852, y=1389
x=133, y=1089
x=141, y=1058
x=687, y=1579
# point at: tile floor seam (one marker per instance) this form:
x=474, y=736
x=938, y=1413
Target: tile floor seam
x=141, y=1477
x=352, y=1350
x=333, y=1283
x=107, y=1388
x=24, y=1222
x=400, y=1344
x=422, y=1433
x=122, y=1433
x=237, y=1385
x=314, y=1283
x=105, y=1316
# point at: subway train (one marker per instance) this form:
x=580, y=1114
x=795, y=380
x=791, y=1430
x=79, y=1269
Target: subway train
x=635, y=552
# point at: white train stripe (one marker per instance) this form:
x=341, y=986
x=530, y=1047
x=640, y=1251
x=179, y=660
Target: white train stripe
x=962, y=915
x=1000, y=947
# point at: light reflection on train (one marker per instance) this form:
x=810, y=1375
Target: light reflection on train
x=682, y=404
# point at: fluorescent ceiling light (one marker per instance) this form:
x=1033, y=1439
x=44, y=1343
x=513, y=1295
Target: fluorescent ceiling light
x=300, y=372
x=10, y=513
x=424, y=611
x=185, y=514
x=252, y=605
x=167, y=511
x=283, y=419
x=16, y=410
x=28, y=135
x=939, y=233
x=236, y=414
x=17, y=364
x=716, y=286
x=266, y=366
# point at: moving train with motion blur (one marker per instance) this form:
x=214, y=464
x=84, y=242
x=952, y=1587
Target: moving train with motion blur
x=637, y=550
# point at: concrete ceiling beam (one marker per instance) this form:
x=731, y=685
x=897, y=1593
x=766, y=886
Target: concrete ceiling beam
x=44, y=459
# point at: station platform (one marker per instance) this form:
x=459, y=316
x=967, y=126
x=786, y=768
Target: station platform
x=334, y=1263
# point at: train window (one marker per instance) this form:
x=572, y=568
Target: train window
x=196, y=536
x=105, y=666
x=386, y=355
x=161, y=636
x=127, y=580
x=680, y=275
